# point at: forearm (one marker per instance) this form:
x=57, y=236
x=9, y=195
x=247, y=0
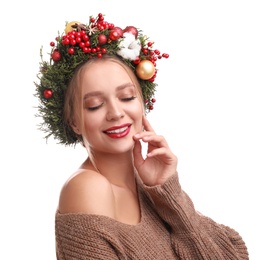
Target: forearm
x=172, y=204
x=192, y=231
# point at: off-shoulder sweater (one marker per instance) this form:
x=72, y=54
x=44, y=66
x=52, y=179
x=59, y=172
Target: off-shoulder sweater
x=170, y=228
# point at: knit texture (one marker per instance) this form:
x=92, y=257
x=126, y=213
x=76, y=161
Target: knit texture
x=170, y=228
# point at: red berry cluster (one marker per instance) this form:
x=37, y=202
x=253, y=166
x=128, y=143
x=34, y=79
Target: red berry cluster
x=81, y=37
x=153, y=54
x=77, y=38
x=150, y=103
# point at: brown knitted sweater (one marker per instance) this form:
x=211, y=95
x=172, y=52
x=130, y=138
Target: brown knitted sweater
x=170, y=228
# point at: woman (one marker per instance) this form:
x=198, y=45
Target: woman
x=119, y=204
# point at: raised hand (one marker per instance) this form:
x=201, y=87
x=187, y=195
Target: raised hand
x=160, y=163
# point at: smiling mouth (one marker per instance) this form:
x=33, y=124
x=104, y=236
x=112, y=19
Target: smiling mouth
x=117, y=131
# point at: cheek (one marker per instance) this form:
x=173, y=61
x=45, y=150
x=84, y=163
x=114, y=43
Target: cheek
x=137, y=113
x=91, y=122
x=136, y=108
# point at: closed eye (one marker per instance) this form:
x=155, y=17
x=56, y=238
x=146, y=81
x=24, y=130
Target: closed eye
x=94, y=108
x=128, y=99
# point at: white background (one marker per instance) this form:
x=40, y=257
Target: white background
x=213, y=106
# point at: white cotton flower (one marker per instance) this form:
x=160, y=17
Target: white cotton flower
x=129, y=47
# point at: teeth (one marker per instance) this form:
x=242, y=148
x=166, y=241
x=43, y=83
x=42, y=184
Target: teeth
x=117, y=131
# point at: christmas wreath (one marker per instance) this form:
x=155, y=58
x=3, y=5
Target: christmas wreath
x=78, y=43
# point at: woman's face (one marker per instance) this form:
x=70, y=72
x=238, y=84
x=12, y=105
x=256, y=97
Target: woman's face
x=112, y=107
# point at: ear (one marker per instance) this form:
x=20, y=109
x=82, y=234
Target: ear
x=75, y=128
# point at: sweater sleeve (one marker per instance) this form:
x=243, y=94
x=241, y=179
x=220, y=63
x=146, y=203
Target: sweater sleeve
x=193, y=234
x=77, y=238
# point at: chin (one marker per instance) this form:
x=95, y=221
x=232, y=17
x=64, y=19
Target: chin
x=125, y=147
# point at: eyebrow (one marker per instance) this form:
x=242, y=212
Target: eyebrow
x=99, y=93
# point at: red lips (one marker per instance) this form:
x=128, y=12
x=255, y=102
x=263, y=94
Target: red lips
x=118, y=131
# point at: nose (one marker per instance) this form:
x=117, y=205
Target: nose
x=114, y=111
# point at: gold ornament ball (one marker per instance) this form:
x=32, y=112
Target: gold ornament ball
x=145, y=69
x=69, y=26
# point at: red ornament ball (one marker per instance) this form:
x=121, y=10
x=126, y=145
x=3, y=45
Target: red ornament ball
x=102, y=39
x=56, y=56
x=119, y=30
x=131, y=29
x=114, y=35
x=47, y=93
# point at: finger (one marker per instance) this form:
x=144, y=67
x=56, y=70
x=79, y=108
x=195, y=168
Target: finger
x=155, y=140
x=137, y=151
x=160, y=152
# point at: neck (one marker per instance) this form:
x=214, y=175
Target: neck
x=117, y=168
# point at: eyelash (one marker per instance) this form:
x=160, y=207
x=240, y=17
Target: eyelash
x=94, y=108
x=128, y=99
x=123, y=99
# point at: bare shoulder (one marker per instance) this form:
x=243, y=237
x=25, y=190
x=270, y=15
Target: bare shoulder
x=87, y=192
